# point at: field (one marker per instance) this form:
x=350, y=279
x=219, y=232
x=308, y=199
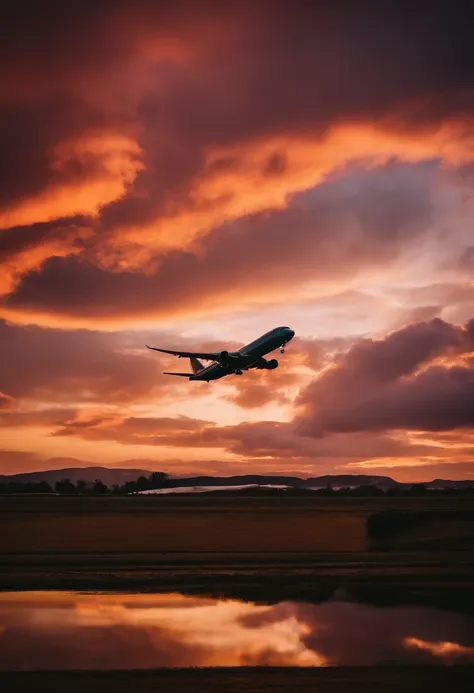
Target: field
x=256, y=548
x=265, y=549
x=353, y=680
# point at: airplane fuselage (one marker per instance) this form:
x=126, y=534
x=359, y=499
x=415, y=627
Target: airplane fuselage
x=248, y=356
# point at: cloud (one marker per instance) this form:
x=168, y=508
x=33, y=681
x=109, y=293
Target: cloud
x=394, y=383
x=164, y=630
x=273, y=443
x=86, y=172
x=61, y=156
x=77, y=366
x=241, y=179
x=133, y=430
x=179, y=120
x=363, y=222
x=165, y=162
x=43, y=417
x=172, y=630
x=24, y=249
x=262, y=387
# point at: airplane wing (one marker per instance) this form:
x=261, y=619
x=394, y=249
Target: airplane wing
x=182, y=375
x=207, y=356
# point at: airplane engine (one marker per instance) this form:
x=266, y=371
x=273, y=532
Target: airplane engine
x=224, y=355
x=271, y=365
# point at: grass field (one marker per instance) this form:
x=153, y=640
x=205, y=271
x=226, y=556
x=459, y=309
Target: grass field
x=342, y=680
x=257, y=548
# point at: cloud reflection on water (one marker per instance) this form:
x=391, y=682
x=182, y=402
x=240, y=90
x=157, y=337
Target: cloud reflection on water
x=66, y=630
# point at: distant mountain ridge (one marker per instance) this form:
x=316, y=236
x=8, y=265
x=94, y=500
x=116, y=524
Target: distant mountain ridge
x=120, y=476
x=261, y=479
x=89, y=474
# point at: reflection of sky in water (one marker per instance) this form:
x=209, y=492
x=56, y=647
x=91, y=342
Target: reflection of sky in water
x=64, y=630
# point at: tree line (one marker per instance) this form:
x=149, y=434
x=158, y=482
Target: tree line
x=66, y=487
x=158, y=480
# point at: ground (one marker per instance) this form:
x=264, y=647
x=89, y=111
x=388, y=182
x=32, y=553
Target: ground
x=264, y=549
x=336, y=680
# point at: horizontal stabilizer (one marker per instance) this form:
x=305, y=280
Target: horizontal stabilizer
x=183, y=375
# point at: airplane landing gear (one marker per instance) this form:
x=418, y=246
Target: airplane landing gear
x=282, y=351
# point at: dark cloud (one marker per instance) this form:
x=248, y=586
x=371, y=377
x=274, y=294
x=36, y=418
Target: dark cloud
x=17, y=240
x=184, y=78
x=29, y=134
x=278, y=442
x=54, y=46
x=308, y=64
x=414, y=47
x=58, y=366
x=134, y=430
x=382, y=385
x=364, y=219
x=41, y=417
x=24, y=249
x=436, y=399
x=296, y=68
x=64, y=72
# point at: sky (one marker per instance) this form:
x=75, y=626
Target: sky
x=192, y=174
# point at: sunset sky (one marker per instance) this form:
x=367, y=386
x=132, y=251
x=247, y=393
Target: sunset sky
x=192, y=174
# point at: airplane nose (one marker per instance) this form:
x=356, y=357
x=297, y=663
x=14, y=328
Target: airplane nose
x=291, y=334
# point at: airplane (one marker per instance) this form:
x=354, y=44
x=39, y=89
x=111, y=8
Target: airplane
x=229, y=362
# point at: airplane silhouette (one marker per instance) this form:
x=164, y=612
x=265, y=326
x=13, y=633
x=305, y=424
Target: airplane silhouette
x=233, y=362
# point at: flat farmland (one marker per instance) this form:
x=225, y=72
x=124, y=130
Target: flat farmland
x=324, y=680
x=59, y=524
x=260, y=547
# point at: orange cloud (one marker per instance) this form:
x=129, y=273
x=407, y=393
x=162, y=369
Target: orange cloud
x=169, y=630
x=110, y=163
x=449, y=652
x=165, y=431
x=330, y=249
x=41, y=417
x=23, y=250
x=262, y=175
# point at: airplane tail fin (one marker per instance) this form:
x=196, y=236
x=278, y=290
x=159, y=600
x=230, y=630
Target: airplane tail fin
x=196, y=365
x=183, y=375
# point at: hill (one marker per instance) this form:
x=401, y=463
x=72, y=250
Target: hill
x=274, y=480
x=351, y=480
x=120, y=476
x=74, y=474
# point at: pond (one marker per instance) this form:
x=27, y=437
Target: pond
x=68, y=630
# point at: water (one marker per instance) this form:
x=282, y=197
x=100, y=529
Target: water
x=67, y=630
